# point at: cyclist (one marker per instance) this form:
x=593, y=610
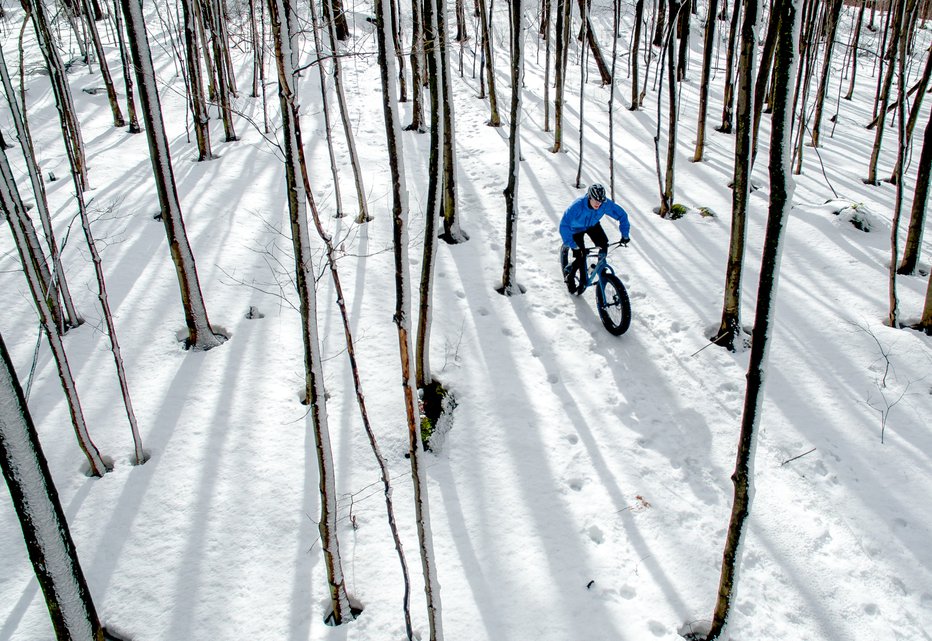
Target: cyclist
x=582, y=218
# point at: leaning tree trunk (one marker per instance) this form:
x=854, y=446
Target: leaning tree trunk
x=102, y=63
x=11, y=203
x=510, y=285
x=40, y=514
x=763, y=79
x=920, y=201
x=363, y=215
x=402, y=298
x=730, y=326
x=139, y=453
x=831, y=27
x=709, y=46
x=587, y=37
x=70, y=317
x=71, y=129
x=200, y=334
x=781, y=195
x=314, y=394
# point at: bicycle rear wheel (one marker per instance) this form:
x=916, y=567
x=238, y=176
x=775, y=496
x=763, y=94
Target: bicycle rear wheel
x=614, y=306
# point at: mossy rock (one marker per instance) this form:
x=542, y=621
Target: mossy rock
x=437, y=403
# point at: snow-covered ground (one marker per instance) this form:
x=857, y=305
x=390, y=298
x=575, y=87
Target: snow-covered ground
x=582, y=491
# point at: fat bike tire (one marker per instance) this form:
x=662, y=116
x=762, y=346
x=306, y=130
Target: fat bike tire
x=614, y=306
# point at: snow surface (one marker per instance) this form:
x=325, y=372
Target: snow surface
x=582, y=491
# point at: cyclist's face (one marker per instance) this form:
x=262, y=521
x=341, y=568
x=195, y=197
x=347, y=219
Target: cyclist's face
x=595, y=204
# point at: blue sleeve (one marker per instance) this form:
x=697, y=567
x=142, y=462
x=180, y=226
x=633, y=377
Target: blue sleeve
x=618, y=212
x=566, y=226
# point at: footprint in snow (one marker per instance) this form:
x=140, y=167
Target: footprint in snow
x=572, y=438
x=596, y=534
x=576, y=484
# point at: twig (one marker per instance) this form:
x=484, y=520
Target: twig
x=790, y=460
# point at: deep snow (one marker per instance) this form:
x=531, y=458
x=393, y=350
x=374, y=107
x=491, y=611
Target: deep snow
x=582, y=491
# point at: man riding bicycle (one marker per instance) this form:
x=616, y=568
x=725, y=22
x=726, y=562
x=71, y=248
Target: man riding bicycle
x=582, y=218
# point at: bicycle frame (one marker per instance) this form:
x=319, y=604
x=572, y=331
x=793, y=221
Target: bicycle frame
x=594, y=272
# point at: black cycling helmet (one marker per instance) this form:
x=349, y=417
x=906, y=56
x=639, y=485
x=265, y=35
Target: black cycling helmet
x=597, y=192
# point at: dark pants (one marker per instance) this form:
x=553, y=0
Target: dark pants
x=597, y=236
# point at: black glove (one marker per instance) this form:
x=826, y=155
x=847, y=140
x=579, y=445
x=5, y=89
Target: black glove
x=624, y=241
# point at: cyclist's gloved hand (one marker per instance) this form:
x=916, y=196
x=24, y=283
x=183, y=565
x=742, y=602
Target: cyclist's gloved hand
x=624, y=241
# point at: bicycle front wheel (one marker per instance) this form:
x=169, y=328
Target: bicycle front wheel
x=613, y=303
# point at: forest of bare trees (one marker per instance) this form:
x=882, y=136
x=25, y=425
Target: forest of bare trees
x=226, y=49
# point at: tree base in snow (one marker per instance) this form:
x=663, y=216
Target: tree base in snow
x=437, y=404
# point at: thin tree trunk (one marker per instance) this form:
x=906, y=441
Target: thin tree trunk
x=104, y=68
x=854, y=47
x=728, y=100
x=781, y=194
x=562, y=35
x=633, y=54
x=902, y=145
x=763, y=78
x=71, y=130
x=196, y=83
x=545, y=28
x=417, y=67
x=12, y=205
x=887, y=83
x=452, y=233
x=667, y=194
x=920, y=201
x=325, y=107
x=709, y=46
x=41, y=517
x=494, y=118
x=730, y=326
x=200, y=334
x=510, y=285
x=134, y=127
x=831, y=26
x=400, y=243
x=70, y=318
x=304, y=277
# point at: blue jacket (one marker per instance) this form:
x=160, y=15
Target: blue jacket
x=580, y=216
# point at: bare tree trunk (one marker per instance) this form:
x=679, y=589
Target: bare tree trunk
x=587, y=36
x=139, y=453
x=460, y=10
x=730, y=327
x=212, y=16
x=633, y=54
x=40, y=514
x=304, y=278
x=728, y=100
x=616, y=20
x=510, y=286
x=339, y=16
x=709, y=47
x=200, y=334
x=13, y=206
x=71, y=129
x=494, y=118
x=70, y=318
x=831, y=26
x=452, y=232
x=325, y=107
x=810, y=38
x=134, y=127
x=417, y=67
x=562, y=35
x=102, y=63
x=545, y=29
x=683, y=35
x=899, y=9
x=854, y=47
x=667, y=193
x=920, y=201
x=763, y=78
x=903, y=144
x=920, y=88
x=363, y=215
x=196, y=84
x=781, y=193
x=583, y=73
x=402, y=297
